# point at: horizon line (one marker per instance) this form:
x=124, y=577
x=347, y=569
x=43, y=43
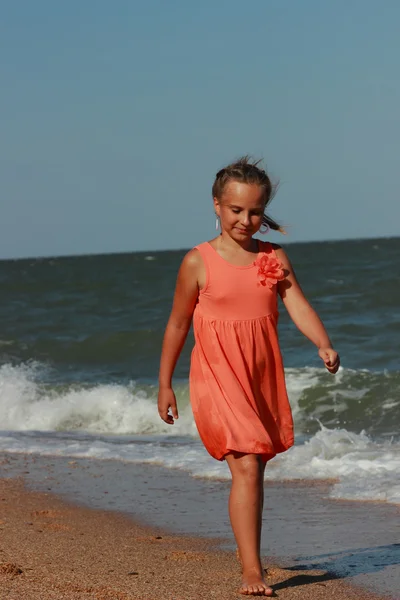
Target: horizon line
x=181, y=249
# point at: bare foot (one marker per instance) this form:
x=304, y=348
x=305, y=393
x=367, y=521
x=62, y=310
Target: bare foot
x=239, y=559
x=254, y=585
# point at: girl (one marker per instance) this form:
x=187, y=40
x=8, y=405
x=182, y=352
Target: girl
x=237, y=388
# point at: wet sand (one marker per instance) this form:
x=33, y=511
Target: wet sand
x=302, y=527
x=51, y=549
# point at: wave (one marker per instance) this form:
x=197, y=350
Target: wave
x=120, y=422
x=354, y=400
x=26, y=404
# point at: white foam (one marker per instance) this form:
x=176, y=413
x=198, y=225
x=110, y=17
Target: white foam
x=390, y=404
x=363, y=469
x=359, y=468
x=116, y=409
x=297, y=380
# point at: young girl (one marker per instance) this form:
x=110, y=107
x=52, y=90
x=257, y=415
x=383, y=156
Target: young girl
x=229, y=286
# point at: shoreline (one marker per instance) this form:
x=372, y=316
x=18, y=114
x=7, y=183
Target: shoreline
x=52, y=549
x=65, y=526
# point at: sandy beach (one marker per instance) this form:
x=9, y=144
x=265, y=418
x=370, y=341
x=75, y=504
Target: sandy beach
x=53, y=549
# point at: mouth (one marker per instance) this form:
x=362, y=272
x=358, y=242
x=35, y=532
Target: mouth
x=242, y=230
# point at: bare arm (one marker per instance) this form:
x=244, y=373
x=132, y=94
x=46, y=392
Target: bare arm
x=185, y=298
x=303, y=315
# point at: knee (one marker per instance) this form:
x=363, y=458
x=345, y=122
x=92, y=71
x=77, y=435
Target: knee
x=249, y=470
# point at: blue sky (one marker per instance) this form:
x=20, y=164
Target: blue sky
x=116, y=116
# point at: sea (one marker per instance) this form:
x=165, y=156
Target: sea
x=80, y=341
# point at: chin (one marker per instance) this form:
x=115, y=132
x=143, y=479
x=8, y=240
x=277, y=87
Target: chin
x=241, y=234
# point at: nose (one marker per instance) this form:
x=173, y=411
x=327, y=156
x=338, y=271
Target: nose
x=245, y=220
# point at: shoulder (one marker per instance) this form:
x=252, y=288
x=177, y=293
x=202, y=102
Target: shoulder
x=192, y=271
x=198, y=255
x=192, y=261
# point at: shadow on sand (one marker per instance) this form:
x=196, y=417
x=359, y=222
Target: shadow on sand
x=354, y=562
x=346, y=563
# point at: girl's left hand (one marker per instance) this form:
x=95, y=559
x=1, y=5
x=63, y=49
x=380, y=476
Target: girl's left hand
x=330, y=358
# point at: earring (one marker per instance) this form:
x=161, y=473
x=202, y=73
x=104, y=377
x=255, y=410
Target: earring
x=217, y=223
x=265, y=230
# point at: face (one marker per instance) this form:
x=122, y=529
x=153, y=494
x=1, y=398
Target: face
x=241, y=209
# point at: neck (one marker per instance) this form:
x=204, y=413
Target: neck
x=248, y=245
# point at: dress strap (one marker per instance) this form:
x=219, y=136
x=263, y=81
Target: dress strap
x=267, y=248
x=264, y=246
x=206, y=253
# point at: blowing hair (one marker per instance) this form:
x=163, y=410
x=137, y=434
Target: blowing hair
x=245, y=170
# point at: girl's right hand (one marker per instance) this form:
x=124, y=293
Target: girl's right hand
x=167, y=403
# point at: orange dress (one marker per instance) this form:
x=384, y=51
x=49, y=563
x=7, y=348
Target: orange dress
x=237, y=383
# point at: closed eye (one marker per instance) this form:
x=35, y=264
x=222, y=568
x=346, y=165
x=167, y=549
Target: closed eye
x=254, y=213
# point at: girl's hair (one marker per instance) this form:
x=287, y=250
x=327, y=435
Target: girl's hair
x=246, y=170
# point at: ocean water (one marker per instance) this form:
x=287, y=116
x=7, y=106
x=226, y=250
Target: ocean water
x=79, y=351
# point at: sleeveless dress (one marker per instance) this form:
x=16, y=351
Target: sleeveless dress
x=237, y=384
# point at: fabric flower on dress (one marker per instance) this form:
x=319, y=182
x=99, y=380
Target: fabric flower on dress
x=270, y=270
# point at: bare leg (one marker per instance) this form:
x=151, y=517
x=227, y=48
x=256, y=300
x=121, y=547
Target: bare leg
x=245, y=511
x=262, y=465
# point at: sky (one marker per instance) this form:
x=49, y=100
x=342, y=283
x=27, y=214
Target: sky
x=115, y=117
